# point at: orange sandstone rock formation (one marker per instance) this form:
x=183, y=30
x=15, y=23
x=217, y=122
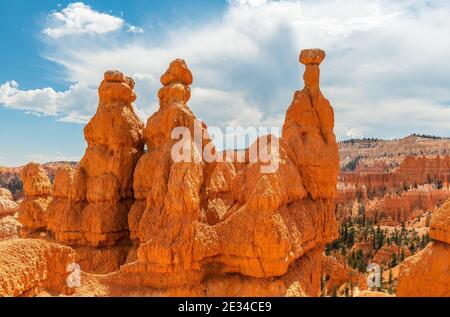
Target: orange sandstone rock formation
x=440, y=224
x=252, y=227
x=366, y=248
x=38, y=194
x=92, y=203
x=10, y=227
x=350, y=200
x=59, y=207
x=407, y=171
x=427, y=272
x=28, y=266
x=385, y=155
x=385, y=254
x=197, y=221
x=10, y=179
x=5, y=194
x=7, y=205
x=393, y=209
x=10, y=176
x=336, y=272
x=308, y=129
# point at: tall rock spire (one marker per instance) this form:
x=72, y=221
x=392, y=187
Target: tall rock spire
x=308, y=129
x=93, y=213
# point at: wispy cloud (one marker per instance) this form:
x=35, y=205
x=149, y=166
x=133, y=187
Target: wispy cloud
x=135, y=29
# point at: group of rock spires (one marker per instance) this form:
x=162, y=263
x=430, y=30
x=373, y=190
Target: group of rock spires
x=92, y=203
x=208, y=228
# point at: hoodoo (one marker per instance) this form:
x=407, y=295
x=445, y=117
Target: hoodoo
x=308, y=129
x=38, y=194
x=9, y=225
x=92, y=203
x=7, y=205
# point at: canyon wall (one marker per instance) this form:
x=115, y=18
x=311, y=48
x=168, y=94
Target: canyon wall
x=393, y=181
x=397, y=185
x=386, y=166
x=412, y=171
x=385, y=155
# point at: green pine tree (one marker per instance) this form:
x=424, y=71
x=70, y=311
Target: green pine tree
x=402, y=255
x=390, y=283
x=394, y=260
x=334, y=293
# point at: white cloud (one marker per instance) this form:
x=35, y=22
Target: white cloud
x=386, y=71
x=135, y=29
x=353, y=133
x=79, y=18
x=230, y=103
x=73, y=105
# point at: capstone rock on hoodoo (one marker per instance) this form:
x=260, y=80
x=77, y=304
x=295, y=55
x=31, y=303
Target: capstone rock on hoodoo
x=197, y=221
x=308, y=129
x=38, y=191
x=91, y=203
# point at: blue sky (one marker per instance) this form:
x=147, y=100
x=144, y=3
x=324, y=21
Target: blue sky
x=25, y=136
x=387, y=71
